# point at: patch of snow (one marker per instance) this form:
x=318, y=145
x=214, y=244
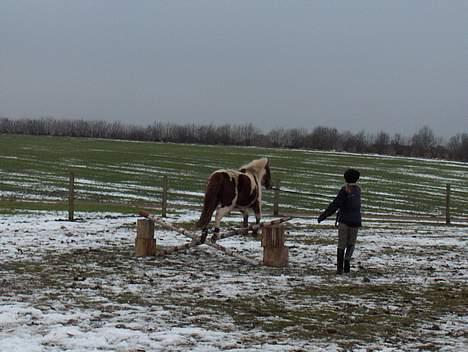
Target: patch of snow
x=76, y=286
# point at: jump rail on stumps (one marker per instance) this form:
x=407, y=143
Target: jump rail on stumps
x=196, y=239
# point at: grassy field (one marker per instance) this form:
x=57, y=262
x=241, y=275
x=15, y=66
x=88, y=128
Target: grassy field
x=122, y=176
x=78, y=286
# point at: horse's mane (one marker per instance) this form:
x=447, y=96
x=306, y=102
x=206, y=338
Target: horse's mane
x=255, y=166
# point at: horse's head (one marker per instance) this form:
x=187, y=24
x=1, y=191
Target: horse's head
x=260, y=168
x=266, y=180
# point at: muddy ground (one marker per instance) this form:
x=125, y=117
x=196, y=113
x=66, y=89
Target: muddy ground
x=77, y=286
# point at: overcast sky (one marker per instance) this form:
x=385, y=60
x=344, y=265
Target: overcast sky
x=354, y=65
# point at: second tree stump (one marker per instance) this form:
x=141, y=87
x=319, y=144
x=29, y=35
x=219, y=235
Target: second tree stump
x=275, y=253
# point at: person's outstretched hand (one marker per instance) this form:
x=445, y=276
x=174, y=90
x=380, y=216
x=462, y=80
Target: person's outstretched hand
x=320, y=218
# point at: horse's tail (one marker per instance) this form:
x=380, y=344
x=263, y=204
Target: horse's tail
x=214, y=187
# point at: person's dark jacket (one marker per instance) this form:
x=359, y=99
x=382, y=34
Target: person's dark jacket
x=348, y=204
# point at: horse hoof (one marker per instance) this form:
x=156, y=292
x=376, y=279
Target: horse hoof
x=203, y=236
x=214, y=238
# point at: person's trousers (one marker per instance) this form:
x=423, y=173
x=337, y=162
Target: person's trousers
x=347, y=238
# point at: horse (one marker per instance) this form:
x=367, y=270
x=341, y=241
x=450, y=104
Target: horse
x=229, y=189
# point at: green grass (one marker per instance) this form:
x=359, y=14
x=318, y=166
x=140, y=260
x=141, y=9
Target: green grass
x=122, y=176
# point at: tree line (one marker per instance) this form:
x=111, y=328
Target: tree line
x=421, y=144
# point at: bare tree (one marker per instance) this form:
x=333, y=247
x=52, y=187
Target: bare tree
x=423, y=142
x=382, y=143
x=323, y=138
x=458, y=147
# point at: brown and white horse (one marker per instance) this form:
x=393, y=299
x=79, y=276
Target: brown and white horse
x=234, y=189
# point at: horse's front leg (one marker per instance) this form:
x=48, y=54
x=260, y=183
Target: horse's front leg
x=245, y=222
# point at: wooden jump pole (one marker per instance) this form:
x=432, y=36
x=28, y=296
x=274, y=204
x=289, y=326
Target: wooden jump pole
x=221, y=235
x=196, y=243
x=196, y=238
x=253, y=227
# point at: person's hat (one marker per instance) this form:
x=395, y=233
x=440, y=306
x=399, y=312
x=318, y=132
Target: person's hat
x=351, y=176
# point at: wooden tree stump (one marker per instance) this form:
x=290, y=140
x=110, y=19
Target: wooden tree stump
x=275, y=253
x=145, y=244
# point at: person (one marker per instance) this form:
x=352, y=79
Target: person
x=348, y=219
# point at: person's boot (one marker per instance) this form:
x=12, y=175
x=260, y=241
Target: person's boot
x=339, y=261
x=347, y=259
x=347, y=266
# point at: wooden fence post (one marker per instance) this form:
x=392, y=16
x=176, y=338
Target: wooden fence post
x=71, y=197
x=164, y=197
x=447, y=205
x=276, y=199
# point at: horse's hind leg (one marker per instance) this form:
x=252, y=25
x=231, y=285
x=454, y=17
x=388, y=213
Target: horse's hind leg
x=204, y=234
x=206, y=217
x=220, y=212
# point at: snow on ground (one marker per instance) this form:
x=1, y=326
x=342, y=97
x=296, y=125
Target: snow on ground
x=76, y=286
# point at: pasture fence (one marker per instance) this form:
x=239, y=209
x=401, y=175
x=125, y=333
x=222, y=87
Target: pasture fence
x=447, y=204
x=165, y=187
x=277, y=191
x=71, y=197
x=276, y=199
